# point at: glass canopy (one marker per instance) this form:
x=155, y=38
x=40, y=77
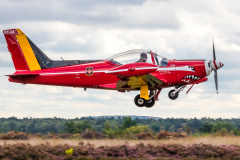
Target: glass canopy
x=138, y=55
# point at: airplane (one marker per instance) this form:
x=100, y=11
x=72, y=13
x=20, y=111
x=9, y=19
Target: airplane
x=134, y=70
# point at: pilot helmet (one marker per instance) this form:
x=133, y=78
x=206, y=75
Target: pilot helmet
x=143, y=56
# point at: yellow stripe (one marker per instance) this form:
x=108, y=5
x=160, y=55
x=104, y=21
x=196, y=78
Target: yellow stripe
x=27, y=51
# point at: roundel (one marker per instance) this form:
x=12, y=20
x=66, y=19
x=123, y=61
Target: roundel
x=89, y=71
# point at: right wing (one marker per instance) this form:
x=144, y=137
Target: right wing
x=136, y=76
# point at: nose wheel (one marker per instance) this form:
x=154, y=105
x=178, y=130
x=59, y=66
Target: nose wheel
x=173, y=94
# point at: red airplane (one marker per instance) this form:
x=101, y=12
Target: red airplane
x=135, y=70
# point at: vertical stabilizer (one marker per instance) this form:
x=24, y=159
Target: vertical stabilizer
x=21, y=51
x=27, y=56
x=15, y=50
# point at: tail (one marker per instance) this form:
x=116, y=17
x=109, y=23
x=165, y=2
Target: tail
x=25, y=54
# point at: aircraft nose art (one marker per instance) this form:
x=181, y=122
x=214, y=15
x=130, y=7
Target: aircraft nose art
x=133, y=69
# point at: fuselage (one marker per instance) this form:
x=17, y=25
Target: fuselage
x=176, y=72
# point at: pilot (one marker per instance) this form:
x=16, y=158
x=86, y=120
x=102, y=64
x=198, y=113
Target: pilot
x=143, y=57
x=164, y=62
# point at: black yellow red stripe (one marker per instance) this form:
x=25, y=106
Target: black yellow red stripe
x=27, y=51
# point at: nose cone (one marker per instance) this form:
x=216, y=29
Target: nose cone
x=215, y=65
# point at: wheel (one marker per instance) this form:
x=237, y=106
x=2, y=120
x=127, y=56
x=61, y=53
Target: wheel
x=140, y=102
x=150, y=103
x=173, y=96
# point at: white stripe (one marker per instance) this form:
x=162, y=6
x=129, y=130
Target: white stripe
x=68, y=72
x=124, y=70
x=120, y=70
x=184, y=68
x=166, y=69
x=146, y=68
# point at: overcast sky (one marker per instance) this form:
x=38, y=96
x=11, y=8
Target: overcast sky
x=98, y=29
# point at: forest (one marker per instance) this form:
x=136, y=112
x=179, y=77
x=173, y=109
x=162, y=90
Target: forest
x=116, y=125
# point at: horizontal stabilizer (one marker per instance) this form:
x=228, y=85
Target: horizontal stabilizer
x=22, y=75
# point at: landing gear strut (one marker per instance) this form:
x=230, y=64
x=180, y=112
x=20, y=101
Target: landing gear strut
x=173, y=94
x=153, y=96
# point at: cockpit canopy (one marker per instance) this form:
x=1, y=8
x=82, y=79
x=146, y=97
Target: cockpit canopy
x=134, y=56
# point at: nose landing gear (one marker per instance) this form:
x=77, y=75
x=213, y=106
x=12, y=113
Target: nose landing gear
x=141, y=102
x=173, y=94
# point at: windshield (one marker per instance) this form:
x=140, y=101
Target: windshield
x=160, y=61
x=134, y=56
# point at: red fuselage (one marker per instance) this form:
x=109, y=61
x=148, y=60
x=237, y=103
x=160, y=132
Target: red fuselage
x=76, y=75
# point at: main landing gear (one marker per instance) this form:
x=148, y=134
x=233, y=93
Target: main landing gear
x=173, y=94
x=153, y=96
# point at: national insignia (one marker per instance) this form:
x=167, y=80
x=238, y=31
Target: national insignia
x=89, y=71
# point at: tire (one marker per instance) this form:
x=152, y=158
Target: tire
x=150, y=103
x=173, y=96
x=140, y=102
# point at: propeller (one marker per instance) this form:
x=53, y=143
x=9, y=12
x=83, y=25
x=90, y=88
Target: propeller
x=215, y=71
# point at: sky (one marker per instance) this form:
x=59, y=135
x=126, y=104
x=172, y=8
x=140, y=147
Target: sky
x=98, y=29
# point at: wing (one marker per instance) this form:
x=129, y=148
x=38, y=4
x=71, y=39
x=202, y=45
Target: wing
x=136, y=76
x=133, y=69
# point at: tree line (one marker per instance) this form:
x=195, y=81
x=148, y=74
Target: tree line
x=111, y=125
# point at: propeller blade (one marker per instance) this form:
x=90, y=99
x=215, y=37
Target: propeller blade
x=214, y=56
x=216, y=80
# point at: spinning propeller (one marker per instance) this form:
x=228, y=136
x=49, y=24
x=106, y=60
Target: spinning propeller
x=215, y=65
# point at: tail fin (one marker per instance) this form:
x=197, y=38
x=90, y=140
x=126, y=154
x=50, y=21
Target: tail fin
x=25, y=54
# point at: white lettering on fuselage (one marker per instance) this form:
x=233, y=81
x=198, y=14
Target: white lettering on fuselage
x=77, y=76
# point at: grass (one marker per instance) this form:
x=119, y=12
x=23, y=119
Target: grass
x=226, y=140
